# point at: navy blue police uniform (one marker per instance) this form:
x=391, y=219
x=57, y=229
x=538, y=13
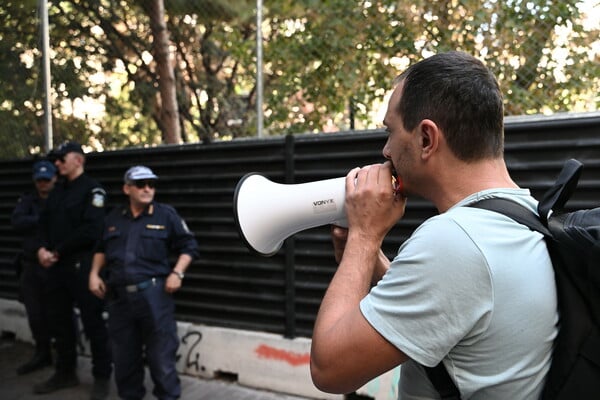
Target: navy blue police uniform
x=70, y=224
x=141, y=312
x=25, y=220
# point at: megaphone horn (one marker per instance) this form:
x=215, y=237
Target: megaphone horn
x=267, y=213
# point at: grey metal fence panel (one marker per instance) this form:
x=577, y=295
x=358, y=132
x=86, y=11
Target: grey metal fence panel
x=231, y=287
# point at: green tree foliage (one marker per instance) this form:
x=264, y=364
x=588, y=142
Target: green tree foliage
x=327, y=64
x=21, y=84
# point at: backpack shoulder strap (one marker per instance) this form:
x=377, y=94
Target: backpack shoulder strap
x=556, y=197
x=515, y=211
x=440, y=378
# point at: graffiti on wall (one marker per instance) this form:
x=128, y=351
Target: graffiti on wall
x=190, y=342
x=289, y=357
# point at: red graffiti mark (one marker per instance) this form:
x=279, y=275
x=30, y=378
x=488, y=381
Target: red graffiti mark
x=289, y=357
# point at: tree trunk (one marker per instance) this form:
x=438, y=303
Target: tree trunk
x=169, y=112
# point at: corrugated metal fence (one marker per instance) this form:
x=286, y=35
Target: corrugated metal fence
x=229, y=286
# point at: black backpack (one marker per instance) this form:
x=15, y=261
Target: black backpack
x=573, y=240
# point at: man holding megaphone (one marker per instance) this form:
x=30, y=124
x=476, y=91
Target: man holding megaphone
x=471, y=288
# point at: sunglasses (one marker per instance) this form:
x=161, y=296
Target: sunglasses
x=143, y=183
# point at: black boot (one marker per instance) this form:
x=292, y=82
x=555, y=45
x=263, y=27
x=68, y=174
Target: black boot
x=60, y=380
x=100, y=389
x=41, y=359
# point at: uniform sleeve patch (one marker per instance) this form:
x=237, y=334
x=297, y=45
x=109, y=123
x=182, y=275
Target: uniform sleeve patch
x=98, y=197
x=185, y=227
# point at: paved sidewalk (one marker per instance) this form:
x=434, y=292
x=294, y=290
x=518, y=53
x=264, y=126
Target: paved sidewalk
x=13, y=387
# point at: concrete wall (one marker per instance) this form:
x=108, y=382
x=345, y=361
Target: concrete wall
x=255, y=359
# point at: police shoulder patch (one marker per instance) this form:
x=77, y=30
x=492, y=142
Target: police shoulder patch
x=185, y=227
x=98, y=197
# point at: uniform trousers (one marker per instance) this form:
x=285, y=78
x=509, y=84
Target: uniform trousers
x=68, y=286
x=142, y=323
x=32, y=285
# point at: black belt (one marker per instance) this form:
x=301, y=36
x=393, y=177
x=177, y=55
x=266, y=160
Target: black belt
x=137, y=287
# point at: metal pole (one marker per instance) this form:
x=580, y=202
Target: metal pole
x=259, y=69
x=43, y=5
x=290, y=247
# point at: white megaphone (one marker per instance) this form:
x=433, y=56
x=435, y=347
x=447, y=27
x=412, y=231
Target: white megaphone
x=267, y=213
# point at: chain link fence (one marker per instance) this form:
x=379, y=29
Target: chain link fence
x=146, y=72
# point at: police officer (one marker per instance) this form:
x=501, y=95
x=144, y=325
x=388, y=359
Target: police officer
x=25, y=220
x=135, y=247
x=69, y=227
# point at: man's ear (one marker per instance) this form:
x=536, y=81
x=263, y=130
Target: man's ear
x=80, y=158
x=126, y=189
x=430, y=137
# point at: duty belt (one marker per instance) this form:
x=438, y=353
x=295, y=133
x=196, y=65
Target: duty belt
x=138, y=287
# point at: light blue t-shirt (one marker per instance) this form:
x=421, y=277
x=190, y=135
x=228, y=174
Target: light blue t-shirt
x=475, y=289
